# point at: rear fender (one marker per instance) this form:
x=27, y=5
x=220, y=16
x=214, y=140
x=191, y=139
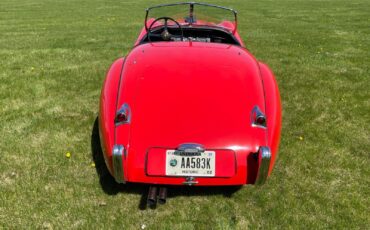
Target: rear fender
x=273, y=111
x=108, y=101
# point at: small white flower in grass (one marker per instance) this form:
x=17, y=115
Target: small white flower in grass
x=102, y=203
x=143, y=226
x=47, y=225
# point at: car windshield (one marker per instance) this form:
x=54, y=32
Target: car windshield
x=194, y=14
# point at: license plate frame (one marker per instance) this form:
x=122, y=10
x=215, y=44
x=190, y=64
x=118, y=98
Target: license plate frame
x=202, y=164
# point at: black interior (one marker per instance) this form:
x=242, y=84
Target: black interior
x=197, y=34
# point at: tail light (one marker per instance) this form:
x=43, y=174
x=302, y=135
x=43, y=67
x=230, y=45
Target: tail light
x=123, y=115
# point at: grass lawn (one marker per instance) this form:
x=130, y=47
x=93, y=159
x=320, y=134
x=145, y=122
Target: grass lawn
x=53, y=59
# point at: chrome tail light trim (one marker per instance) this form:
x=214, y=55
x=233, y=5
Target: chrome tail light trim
x=264, y=158
x=117, y=159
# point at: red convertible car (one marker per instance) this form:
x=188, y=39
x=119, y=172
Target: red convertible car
x=189, y=105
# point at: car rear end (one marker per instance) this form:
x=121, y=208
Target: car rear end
x=193, y=112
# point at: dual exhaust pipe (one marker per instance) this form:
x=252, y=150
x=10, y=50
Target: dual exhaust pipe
x=155, y=194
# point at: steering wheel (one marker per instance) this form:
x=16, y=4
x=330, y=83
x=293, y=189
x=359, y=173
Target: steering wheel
x=165, y=35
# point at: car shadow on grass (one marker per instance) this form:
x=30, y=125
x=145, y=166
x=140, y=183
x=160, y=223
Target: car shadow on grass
x=111, y=187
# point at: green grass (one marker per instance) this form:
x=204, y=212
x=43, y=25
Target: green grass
x=53, y=58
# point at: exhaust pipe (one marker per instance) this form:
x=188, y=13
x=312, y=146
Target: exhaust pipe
x=152, y=196
x=162, y=195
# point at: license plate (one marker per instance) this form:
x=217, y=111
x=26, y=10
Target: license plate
x=183, y=164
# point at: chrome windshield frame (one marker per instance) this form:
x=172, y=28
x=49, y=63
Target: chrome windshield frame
x=191, y=5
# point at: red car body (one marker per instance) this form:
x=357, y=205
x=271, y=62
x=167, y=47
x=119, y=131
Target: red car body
x=191, y=97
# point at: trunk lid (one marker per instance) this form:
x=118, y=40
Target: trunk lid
x=191, y=92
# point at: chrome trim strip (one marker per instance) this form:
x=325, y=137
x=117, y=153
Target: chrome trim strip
x=256, y=113
x=264, y=158
x=117, y=160
x=125, y=109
